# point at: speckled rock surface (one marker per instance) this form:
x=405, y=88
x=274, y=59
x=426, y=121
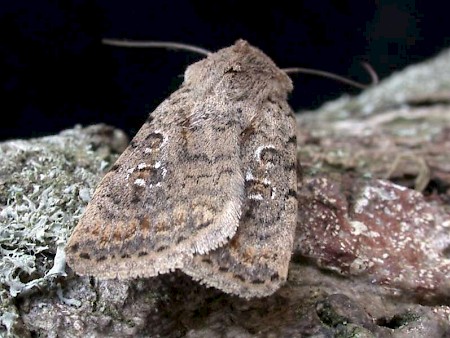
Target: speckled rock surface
x=372, y=247
x=376, y=194
x=389, y=234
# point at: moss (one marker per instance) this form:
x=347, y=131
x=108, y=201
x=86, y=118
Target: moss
x=399, y=320
x=353, y=331
x=329, y=316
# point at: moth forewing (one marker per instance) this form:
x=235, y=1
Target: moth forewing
x=207, y=185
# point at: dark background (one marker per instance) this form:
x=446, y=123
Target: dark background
x=54, y=73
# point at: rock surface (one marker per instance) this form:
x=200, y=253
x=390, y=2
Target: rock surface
x=372, y=254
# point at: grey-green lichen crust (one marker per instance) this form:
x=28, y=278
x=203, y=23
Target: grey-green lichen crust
x=45, y=184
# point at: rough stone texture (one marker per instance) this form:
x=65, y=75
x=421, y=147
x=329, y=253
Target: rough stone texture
x=385, y=232
x=373, y=238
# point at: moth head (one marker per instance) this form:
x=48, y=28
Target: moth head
x=239, y=72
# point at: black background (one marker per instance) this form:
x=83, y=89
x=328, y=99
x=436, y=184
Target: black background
x=54, y=72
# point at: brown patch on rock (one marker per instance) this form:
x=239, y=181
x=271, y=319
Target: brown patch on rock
x=386, y=232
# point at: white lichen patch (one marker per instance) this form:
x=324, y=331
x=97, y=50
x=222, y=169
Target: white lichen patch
x=358, y=228
x=360, y=204
x=43, y=194
x=85, y=194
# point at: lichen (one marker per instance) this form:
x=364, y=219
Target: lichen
x=43, y=193
x=45, y=184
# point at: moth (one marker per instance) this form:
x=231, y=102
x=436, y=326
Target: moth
x=207, y=185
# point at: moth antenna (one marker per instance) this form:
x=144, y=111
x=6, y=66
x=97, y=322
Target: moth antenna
x=369, y=69
x=155, y=44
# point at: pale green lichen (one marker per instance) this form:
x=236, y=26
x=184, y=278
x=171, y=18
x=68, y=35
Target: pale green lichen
x=45, y=184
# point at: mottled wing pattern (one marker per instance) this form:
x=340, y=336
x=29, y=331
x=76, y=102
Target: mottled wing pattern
x=172, y=193
x=255, y=261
